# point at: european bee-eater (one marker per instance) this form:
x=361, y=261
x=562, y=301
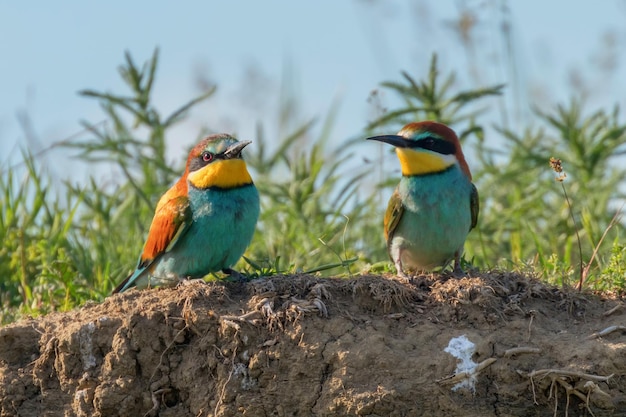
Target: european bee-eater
x=435, y=205
x=205, y=222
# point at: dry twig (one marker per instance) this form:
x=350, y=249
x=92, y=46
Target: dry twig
x=606, y=331
x=618, y=307
x=456, y=378
x=520, y=350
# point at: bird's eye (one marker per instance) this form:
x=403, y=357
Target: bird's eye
x=207, y=156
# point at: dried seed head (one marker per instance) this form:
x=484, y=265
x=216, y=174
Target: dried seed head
x=557, y=167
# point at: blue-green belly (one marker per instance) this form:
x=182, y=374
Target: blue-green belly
x=436, y=218
x=223, y=224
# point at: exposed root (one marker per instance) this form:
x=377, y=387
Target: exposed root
x=305, y=306
x=606, y=331
x=156, y=402
x=270, y=342
x=181, y=325
x=313, y=302
x=390, y=293
x=320, y=290
x=559, y=378
x=252, y=317
x=220, y=399
x=520, y=351
x=264, y=311
x=530, y=323
x=573, y=374
x=617, y=308
x=264, y=285
x=272, y=319
x=461, y=376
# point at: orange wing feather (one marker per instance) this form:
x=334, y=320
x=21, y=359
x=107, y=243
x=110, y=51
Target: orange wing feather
x=170, y=217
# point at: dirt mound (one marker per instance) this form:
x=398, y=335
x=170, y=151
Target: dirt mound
x=499, y=344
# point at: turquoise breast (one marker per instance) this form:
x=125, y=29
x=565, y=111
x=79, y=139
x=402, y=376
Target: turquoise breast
x=436, y=218
x=223, y=224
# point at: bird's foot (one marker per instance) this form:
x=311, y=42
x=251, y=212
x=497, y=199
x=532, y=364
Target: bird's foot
x=400, y=272
x=458, y=272
x=404, y=277
x=190, y=281
x=235, y=275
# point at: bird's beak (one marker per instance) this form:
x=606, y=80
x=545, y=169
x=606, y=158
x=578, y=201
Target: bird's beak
x=395, y=140
x=234, y=151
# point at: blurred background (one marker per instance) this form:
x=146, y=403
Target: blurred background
x=87, y=144
x=319, y=52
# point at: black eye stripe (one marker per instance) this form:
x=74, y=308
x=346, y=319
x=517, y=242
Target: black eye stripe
x=199, y=162
x=436, y=145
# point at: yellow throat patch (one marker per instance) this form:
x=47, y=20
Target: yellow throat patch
x=423, y=162
x=228, y=173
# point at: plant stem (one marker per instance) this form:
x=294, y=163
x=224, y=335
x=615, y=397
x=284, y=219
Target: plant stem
x=580, y=247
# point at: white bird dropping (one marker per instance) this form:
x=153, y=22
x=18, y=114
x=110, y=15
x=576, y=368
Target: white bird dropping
x=463, y=349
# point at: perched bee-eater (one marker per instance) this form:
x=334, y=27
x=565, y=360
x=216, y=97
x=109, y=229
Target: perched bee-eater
x=435, y=205
x=205, y=222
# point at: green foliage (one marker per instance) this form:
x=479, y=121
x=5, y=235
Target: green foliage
x=613, y=275
x=114, y=219
x=64, y=249
x=310, y=202
x=321, y=212
x=37, y=257
x=538, y=222
x=430, y=100
x=524, y=217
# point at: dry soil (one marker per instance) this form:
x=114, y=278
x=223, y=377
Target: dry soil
x=308, y=346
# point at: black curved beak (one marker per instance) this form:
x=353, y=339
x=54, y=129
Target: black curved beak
x=234, y=151
x=395, y=140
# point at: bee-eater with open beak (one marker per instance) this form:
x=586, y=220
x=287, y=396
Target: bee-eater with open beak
x=205, y=222
x=435, y=205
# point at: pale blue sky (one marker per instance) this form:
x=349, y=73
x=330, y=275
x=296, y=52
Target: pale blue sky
x=335, y=49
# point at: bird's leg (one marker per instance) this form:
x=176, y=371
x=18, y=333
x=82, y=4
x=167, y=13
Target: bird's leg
x=399, y=270
x=458, y=271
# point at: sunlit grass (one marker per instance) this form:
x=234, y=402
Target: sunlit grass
x=321, y=211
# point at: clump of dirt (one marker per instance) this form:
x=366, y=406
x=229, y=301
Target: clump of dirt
x=495, y=344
